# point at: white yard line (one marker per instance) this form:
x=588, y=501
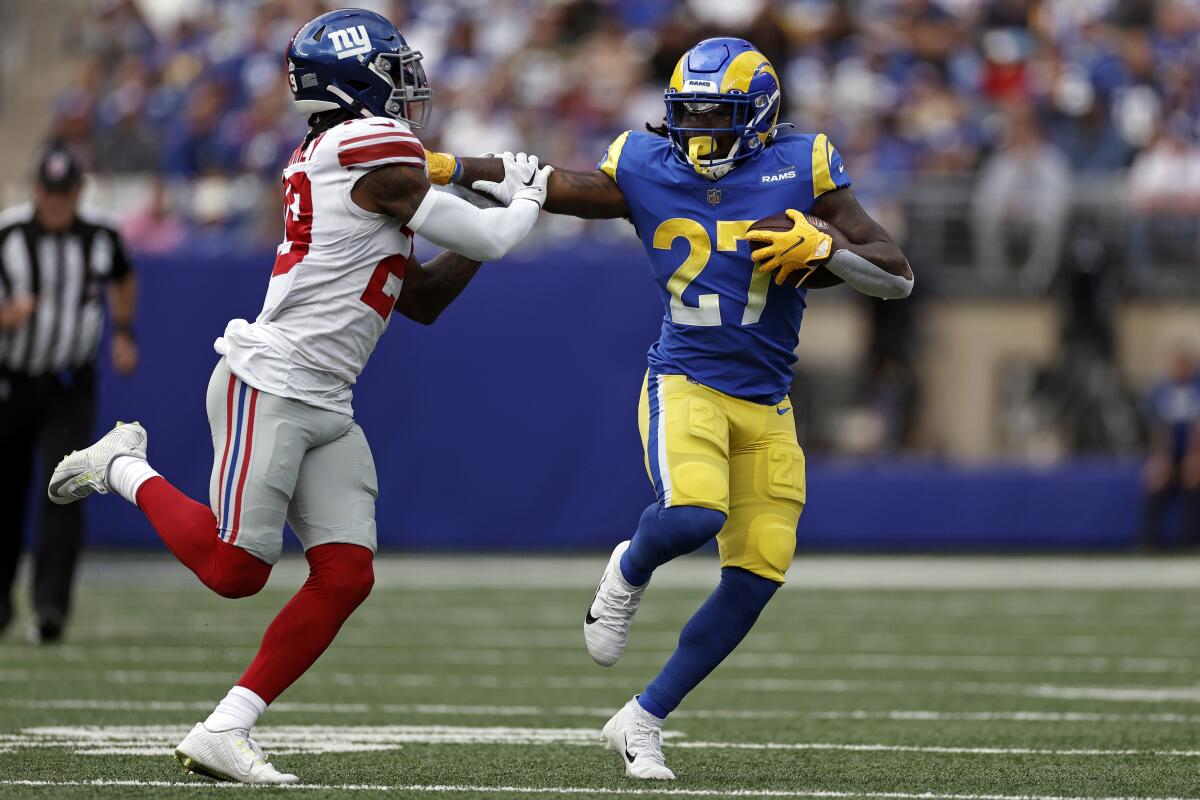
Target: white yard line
x=1126, y=693
x=435, y=709
x=156, y=740
x=570, y=790
x=871, y=573
x=494, y=654
x=1001, y=716
x=941, y=749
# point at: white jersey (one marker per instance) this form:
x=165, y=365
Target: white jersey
x=336, y=275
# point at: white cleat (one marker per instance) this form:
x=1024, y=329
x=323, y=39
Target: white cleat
x=86, y=471
x=227, y=756
x=636, y=736
x=606, y=623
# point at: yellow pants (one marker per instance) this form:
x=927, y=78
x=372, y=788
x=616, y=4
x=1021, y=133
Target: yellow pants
x=705, y=448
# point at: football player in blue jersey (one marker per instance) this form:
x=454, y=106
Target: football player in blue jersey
x=715, y=419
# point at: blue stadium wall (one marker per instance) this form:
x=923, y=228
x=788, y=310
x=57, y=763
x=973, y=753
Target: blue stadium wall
x=511, y=424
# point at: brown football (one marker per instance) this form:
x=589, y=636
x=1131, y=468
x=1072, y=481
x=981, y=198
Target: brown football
x=821, y=277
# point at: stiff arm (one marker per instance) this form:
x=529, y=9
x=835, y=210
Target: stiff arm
x=482, y=234
x=587, y=194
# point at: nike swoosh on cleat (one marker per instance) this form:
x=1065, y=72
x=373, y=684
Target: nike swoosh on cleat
x=588, y=619
x=628, y=756
x=59, y=484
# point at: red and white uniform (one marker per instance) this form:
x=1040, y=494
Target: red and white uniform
x=337, y=273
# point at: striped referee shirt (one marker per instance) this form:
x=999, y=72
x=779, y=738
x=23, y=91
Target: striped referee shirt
x=66, y=274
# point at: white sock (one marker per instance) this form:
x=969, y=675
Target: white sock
x=240, y=709
x=126, y=474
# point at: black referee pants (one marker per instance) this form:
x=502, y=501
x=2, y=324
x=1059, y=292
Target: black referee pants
x=49, y=416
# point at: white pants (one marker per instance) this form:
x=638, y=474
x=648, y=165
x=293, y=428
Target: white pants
x=277, y=459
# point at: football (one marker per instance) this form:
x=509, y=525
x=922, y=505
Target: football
x=821, y=277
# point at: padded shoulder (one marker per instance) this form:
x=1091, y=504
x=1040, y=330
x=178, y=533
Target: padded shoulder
x=364, y=144
x=824, y=162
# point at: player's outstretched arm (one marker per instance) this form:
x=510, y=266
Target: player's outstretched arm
x=482, y=234
x=870, y=262
x=589, y=194
x=429, y=288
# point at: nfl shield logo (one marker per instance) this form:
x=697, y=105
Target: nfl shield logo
x=714, y=196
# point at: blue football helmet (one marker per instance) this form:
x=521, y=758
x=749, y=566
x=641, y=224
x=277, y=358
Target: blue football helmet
x=357, y=60
x=716, y=73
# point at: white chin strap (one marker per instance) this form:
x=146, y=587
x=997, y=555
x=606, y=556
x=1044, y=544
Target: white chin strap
x=717, y=171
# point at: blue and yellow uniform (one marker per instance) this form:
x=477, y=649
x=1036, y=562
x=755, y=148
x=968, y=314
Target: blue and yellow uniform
x=714, y=416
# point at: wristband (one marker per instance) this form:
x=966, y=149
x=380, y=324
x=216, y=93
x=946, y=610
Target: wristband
x=440, y=167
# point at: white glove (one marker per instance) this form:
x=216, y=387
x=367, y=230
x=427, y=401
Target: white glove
x=523, y=180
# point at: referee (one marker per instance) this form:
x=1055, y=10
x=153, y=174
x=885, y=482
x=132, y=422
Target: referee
x=56, y=265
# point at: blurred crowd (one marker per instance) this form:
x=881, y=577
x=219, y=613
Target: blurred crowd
x=1026, y=96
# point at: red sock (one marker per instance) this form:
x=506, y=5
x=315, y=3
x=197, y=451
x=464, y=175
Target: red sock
x=189, y=529
x=339, y=579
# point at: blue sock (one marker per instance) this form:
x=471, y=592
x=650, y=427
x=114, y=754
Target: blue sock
x=667, y=533
x=708, y=638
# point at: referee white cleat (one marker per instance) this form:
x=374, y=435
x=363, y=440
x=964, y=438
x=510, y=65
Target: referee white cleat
x=227, y=756
x=86, y=471
x=606, y=624
x=636, y=736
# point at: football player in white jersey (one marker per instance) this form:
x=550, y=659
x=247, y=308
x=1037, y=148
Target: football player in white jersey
x=286, y=446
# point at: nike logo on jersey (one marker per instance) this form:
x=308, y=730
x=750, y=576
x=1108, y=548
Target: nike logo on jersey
x=782, y=411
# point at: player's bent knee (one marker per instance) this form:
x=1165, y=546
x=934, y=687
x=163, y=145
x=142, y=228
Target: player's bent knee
x=775, y=540
x=692, y=523
x=763, y=547
x=234, y=585
x=344, y=570
x=234, y=573
x=754, y=589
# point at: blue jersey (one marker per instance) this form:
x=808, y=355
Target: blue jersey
x=726, y=325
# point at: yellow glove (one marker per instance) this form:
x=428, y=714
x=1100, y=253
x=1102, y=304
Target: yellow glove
x=803, y=247
x=441, y=167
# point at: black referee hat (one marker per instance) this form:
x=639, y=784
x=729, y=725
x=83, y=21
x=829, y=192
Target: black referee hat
x=59, y=171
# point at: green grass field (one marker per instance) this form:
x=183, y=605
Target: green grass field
x=904, y=678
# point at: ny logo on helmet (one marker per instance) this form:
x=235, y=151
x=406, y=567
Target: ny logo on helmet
x=350, y=42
